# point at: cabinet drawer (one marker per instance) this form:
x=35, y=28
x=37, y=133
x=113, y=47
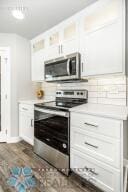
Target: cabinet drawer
x=104, y=126
x=26, y=108
x=103, y=148
x=101, y=175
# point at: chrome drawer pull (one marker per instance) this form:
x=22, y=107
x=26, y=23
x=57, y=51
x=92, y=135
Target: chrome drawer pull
x=89, y=124
x=25, y=109
x=91, y=171
x=94, y=146
x=94, y=173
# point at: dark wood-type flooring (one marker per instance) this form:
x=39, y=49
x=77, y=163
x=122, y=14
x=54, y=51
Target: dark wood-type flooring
x=21, y=154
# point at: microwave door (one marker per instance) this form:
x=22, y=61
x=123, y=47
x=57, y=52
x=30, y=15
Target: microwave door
x=57, y=70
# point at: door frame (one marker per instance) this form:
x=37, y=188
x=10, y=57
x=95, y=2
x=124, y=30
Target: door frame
x=5, y=52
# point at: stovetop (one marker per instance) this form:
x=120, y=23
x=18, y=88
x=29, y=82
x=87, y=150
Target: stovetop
x=65, y=100
x=60, y=104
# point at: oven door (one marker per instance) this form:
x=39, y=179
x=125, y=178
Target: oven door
x=65, y=68
x=52, y=128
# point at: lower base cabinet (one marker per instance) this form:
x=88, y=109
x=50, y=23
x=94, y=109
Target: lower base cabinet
x=97, y=154
x=97, y=173
x=26, y=123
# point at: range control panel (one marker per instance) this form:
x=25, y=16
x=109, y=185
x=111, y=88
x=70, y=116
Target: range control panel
x=72, y=93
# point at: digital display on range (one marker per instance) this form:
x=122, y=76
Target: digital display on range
x=69, y=93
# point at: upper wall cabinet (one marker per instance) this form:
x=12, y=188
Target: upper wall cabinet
x=63, y=39
x=70, y=36
x=97, y=32
x=102, y=38
x=37, y=59
x=53, y=48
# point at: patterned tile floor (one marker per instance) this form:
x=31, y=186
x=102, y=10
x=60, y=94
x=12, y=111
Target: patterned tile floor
x=21, y=154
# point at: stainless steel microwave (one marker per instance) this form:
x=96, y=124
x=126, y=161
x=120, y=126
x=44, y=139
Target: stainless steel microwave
x=63, y=69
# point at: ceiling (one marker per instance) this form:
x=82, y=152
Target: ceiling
x=40, y=15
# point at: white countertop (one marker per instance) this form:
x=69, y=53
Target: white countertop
x=111, y=111
x=32, y=102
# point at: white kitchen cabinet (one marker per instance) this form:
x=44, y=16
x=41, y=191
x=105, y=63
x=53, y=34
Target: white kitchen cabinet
x=99, y=174
x=26, y=123
x=63, y=39
x=70, y=36
x=102, y=38
x=53, y=49
x=38, y=58
x=100, y=14
x=97, y=32
x=98, y=146
x=102, y=51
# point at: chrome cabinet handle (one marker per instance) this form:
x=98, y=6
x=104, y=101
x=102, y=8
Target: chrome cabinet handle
x=61, y=48
x=94, y=173
x=94, y=146
x=91, y=171
x=93, y=125
x=82, y=67
x=32, y=123
x=25, y=109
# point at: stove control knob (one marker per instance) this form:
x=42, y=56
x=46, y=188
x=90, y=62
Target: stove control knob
x=81, y=93
x=78, y=93
x=64, y=146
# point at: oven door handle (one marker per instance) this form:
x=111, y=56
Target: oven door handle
x=49, y=111
x=68, y=66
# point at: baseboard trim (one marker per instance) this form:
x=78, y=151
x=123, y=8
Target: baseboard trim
x=13, y=139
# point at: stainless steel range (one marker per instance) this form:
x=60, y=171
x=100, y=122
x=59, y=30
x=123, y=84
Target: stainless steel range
x=52, y=128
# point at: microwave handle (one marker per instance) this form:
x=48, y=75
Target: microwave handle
x=68, y=66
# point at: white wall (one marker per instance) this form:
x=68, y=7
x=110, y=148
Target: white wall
x=20, y=81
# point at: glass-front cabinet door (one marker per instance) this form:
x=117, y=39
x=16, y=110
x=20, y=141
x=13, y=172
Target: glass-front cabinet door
x=70, y=36
x=101, y=38
x=101, y=14
x=53, y=50
x=38, y=57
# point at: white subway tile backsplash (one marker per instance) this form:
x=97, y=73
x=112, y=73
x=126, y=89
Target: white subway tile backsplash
x=92, y=81
x=120, y=95
x=102, y=94
x=92, y=94
x=106, y=90
x=93, y=88
x=112, y=101
x=92, y=100
x=115, y=80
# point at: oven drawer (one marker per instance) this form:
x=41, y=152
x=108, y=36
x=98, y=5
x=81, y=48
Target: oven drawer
x=102, y=148
x=100, y=174
x=54, y=142
x=99, y=125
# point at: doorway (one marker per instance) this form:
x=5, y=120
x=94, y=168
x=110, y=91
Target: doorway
x=4, y=96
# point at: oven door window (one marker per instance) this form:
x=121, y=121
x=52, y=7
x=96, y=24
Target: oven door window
x=52, y=130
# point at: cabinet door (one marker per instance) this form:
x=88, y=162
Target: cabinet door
x=102, y=51
x=101, y=38
x=101, y=13
x=26, y=127
x=70, y=40
x=53, y=50
x=38, y=57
